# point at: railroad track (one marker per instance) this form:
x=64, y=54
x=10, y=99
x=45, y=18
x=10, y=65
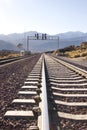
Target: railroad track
x=81, y=64
x=67, y=95
x=11, y=60
x=54, y=97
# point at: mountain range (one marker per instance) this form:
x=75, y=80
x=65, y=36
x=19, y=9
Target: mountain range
x=11, y=41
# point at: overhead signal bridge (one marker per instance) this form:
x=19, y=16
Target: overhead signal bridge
x=41, y=37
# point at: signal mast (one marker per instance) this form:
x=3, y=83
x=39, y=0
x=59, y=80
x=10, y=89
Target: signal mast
x=42, y=37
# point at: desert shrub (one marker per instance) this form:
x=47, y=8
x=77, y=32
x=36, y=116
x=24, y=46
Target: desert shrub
x=76, y=55
x=84, y=54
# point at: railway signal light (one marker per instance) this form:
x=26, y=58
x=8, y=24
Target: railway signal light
x=45, y=36
x=37, y=36
x=42, y=36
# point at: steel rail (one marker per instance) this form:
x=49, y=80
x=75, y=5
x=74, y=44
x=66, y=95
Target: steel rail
x=8, y=60
x=45, y=114
x=72, y=67
x=14, y=61
x=81, y=64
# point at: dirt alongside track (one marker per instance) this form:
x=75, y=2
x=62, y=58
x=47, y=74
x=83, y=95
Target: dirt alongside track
x=12, y=77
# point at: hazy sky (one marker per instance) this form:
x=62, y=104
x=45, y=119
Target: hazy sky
x=50, y=16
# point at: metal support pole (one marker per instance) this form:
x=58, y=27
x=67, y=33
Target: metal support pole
x=58, y=45
x=45, y=115
x=27, y=43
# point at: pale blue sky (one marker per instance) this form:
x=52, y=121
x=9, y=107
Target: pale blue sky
x=50, y=16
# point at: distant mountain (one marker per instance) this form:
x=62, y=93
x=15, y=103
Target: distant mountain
x=65, y=39
x=7, y=46
x=69, y=35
